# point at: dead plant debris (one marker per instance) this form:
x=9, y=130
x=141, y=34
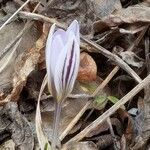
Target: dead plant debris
x=102, y=90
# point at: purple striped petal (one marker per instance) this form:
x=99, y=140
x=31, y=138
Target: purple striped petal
x=75, y=66
x=59, y=70
x=69, y=62
x=62, y=34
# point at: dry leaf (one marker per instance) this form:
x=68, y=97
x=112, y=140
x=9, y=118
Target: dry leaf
x=130, y=58
x=104, y=127
x=128, y=125
x=26, y=63
x=102, y=136
x=8, y=145
x=6, y=36
x=16, y=126
x=88, y=68
x=131, y=14
x=81, y=146
x=104, y=8
x=68, y=10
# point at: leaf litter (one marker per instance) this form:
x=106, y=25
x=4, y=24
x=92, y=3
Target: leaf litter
x=108, y=23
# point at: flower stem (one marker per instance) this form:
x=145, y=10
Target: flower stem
x=55, y=136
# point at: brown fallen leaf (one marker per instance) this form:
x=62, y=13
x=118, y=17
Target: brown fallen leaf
x=26, y=63
x=104, y=127
x=104, y=8
x=102, y=136
x=68, y=10
x=10, y=145
x=7, y=35
x=128, y=125
x=131, y=58
x=131, y=14
x=88, y=145
x=88, y=68
x=18, y=127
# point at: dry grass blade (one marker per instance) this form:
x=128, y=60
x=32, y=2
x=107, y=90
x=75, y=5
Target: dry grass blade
x=8, y=61
x=43, y=141
x=74, y=121
x=7, y=21
x=20, y=34
x=116, y=144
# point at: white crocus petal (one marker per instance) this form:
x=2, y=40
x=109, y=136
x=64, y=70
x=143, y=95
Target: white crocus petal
x=56, y=47
x=74, y=27
x=63, y=35
x=75, y=66
x=59, y=70
x=48, y=54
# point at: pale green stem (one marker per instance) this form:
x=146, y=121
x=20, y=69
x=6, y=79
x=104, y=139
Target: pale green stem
x=55, y=137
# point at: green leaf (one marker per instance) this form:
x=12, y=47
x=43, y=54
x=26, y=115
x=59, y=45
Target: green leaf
x=46, y=147
x=113, y=99
x=88, y=87
x=100, y=99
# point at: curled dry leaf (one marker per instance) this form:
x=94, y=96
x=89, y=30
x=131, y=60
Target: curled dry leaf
x=131, y=58
x=128, y=125
x=13, y=124
x=88, y=68
x=24, y=66
x=133, y=14
x=104, y=127
x=8, y=145
x=102, y=136
x=104, y=8
x=68, y=10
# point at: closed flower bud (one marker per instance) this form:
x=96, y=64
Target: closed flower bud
x=62, y=60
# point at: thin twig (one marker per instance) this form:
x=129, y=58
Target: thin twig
x=137, y=41
x=39, y=17
x=81, y=112
x=110, y=111
x=116, y=146
x=124, y=31
x=106, y=81
x=74, y=121
x=147, y=53
x=15, y=13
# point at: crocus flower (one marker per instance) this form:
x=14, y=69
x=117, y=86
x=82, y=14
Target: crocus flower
x=62, y=60
x=62, y=64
